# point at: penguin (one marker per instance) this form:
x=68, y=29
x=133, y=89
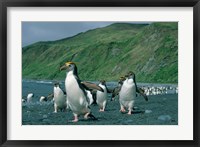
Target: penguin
x=43, y=99
x=76, y=92
x=30, y=97
x=60, y=101
x=102, y=96
x=127, y=93
x=117, y=89
x=89, y=95
x=23, y=100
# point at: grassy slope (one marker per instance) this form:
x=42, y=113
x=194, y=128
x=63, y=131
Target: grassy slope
x=151, y=51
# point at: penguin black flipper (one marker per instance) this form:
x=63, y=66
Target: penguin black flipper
x=116, y=91
x=140, y=90
x=50, y=96
x=108, y=90
x=83, y=87
x=91, y=86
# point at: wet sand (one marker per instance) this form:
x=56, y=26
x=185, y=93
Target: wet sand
x=159, y=110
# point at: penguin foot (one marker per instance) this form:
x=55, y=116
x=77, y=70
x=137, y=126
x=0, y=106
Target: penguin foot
x=122, y=110
x=86, y=115
x=101, y=110
x=129, y=113
x=75, y=119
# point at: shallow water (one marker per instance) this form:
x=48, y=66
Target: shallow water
x=145, y=113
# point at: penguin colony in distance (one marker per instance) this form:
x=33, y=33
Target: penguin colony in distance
x=76, y=92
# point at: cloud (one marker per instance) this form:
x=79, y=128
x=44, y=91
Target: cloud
x=49, y=31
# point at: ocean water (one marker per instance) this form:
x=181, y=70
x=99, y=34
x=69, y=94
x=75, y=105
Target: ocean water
x=45, y=87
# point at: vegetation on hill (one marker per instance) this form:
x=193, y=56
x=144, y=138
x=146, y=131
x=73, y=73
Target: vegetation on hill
x=150, y=50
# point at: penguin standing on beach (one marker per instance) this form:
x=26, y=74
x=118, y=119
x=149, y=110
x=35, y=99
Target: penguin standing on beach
x=90, y=97
x=127, y=93
x=43, y=99
x=102, y=96
x=30, y=97
x=76, y=92
x=60, y=100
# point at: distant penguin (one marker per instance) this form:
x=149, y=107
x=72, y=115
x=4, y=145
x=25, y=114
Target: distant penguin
x=76, y=94
x=89, y=95
x=127, y=93
x=43, y=99
x=30, y=97
x=23, y=100
x=102, y=96
x=60, y=101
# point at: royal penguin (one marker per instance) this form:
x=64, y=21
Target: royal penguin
x=23, y=99
x=102, y=96
x=90, y=97
x=43, y=99
x=76, y=92
x=127, y=93
x=30, y=97
x=60, y=100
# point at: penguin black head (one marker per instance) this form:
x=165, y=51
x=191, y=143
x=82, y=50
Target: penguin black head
x=69, y=66
x=126, y=76
x=131, y=75
x=56, y=85
x=103, y=82
x=121, y=80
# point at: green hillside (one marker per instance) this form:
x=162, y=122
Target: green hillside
x=150, y=50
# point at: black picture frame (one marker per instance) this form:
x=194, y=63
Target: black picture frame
x=4, y=4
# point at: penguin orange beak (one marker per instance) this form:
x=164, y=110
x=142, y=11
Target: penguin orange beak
x=64, y=67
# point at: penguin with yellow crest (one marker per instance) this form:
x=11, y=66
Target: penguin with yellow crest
x=127, y=94
x=76, y=92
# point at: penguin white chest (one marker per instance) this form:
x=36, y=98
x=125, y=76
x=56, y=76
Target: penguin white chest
x=89, y=95
x=101, y=96
x=75, y=95
x=128, y=90
x=29, y=97
x=59, y=97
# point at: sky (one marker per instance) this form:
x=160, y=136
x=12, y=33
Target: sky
x=49, y=31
